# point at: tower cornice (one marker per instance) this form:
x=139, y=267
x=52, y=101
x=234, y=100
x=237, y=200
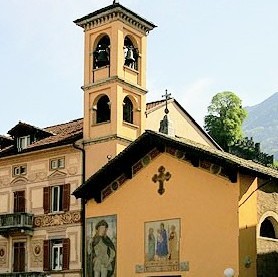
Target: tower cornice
x=112, y=13
x=111, y=80
x=107, y=139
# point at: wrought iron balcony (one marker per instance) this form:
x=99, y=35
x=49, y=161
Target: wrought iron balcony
x=15, y=223
x=23, y=274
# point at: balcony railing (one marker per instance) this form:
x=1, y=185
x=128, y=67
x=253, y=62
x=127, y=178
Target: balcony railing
x=16, y=222
x=23, y=274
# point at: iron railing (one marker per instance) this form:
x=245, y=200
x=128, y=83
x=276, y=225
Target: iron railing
x=15, y=221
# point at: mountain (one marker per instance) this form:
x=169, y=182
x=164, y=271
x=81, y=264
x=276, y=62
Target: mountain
x=262, y=124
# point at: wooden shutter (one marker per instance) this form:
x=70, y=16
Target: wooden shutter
x=15, y=201
x=66, y=253
x=19, y=257
x=19, y=201
x=46, y=200
x=66, y=197
x=46, y=255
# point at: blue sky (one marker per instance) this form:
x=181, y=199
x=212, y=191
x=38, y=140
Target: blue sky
x=199, y=48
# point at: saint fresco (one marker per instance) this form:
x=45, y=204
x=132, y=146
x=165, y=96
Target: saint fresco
x=101, y=241
x=162, y=245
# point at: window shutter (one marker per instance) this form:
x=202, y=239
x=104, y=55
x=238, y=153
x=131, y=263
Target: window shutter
x=21, y=201
x=66, y=253
x=46, y=200
x=15, y=201
x=46, y=255
x=66, y=197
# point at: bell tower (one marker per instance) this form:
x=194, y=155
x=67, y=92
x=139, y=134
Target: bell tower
x=114, y=81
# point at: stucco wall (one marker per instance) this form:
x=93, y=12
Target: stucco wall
x=205, y=204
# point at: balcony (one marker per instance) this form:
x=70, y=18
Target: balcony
x=23, y=274
x=15, y=223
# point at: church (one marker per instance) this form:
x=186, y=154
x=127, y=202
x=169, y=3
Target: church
x=131, y=188
x=156, y=202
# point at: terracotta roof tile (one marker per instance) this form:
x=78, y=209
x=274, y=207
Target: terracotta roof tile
x=61, y=132
x=154, y=104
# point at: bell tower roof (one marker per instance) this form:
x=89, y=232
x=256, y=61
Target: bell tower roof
x=115, y=12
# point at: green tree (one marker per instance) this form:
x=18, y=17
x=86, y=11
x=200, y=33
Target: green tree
x=225, y=118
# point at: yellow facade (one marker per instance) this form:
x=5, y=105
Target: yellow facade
x=205, y=204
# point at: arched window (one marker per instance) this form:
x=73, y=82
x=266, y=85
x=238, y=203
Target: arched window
x=103, y=109
x=102, y=53
x=131, y=54
x=267, y=228
x=127, y=110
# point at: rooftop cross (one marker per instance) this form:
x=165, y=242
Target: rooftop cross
x=167, y=97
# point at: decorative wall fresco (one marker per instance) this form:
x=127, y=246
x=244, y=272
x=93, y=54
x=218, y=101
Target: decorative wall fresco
x=101, y=242
x=162, y=244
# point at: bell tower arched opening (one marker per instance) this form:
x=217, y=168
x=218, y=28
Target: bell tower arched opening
x=102, y=112
x=101, y=54
x=131, y=53
x=127, y=110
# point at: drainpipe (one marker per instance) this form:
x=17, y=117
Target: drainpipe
x=83, y=239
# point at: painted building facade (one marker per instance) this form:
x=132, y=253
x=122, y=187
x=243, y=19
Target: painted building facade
x=205, y=206
x=40, y=221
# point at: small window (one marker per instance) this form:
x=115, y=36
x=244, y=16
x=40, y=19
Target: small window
x=19, y=201
x=128, y=110
x=57, y=255
x=57, y=198
x=57, y=163
x=23, y=142
x=267, y=229
x=103, y=110
x=19, y=170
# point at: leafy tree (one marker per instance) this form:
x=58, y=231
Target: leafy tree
x=225, y=118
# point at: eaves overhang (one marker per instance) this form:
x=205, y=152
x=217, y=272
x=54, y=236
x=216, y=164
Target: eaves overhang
x=124, y=161
x=114, y=12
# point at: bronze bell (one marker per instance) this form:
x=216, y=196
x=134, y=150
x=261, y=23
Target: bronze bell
x=101, y=57
x=130, y=56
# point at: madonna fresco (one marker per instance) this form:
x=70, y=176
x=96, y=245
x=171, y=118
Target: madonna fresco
x=162, y=245
x=101, y=246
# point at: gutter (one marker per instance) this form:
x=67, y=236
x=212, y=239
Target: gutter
x=83, y=202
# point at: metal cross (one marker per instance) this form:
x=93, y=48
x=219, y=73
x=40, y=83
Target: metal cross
x=167, y=97
x=161, y=177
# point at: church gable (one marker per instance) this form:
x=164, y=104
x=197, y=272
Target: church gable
x=162, y=176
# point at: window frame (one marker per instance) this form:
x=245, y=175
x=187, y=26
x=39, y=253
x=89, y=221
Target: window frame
x=23, y=142
x=22, y=170
x=57, y=199
x=60, y=163
x=56, y=244
x=63, y=246
x=63, y=197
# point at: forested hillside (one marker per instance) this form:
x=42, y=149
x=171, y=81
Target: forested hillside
x=262, y=124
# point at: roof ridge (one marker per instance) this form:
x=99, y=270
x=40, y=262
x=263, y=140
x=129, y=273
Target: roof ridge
x=60, y=124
